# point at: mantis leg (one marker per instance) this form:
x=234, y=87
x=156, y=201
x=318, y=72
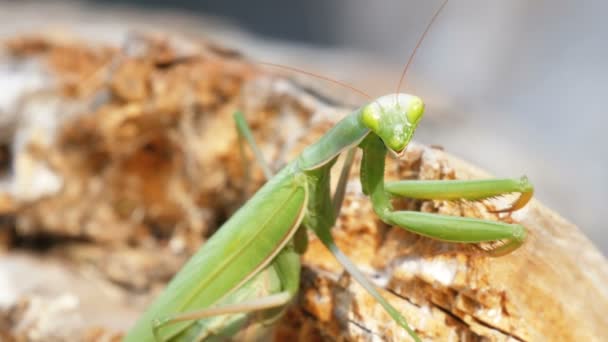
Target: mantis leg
x=321, y=224
x=464, y=189
x=442, y=227
x=266, y=294
x=338, y=198
x=325, y=237
x=245, y=134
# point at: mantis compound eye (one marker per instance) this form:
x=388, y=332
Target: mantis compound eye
x=415, y=110
x=371, y=118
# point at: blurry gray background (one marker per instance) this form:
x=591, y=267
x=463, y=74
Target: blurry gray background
x=514, y=86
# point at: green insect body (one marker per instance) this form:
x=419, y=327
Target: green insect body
x=250, y=269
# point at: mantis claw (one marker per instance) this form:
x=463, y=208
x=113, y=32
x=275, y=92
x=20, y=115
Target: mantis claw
x=526, y=191
x=509, y=245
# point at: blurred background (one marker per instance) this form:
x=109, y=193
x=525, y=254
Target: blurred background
x=516, y=87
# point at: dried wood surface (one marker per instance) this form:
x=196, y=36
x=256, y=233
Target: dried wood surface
x=124, y=159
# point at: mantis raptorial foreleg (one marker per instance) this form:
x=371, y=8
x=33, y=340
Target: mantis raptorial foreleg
x=472, y=190
x=442, y=227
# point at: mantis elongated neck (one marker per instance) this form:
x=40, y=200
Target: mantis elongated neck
x=347, y=133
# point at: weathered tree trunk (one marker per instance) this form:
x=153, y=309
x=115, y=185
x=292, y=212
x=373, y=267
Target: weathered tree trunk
x=139, y=161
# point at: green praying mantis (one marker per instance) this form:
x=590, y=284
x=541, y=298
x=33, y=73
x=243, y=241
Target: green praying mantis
x=250, y=269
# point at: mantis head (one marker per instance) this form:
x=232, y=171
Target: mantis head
x=394, y=119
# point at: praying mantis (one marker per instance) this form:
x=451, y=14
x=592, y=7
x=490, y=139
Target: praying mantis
x=250, y=269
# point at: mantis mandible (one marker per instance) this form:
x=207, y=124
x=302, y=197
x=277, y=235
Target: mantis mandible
x=250, y=268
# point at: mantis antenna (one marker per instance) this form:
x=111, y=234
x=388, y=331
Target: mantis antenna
x=420, y=40
x=321, y=77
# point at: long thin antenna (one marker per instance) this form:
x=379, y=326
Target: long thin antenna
x=342, y=84
x=409, y=61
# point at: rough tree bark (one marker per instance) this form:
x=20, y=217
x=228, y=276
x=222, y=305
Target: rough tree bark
x=125, y=160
